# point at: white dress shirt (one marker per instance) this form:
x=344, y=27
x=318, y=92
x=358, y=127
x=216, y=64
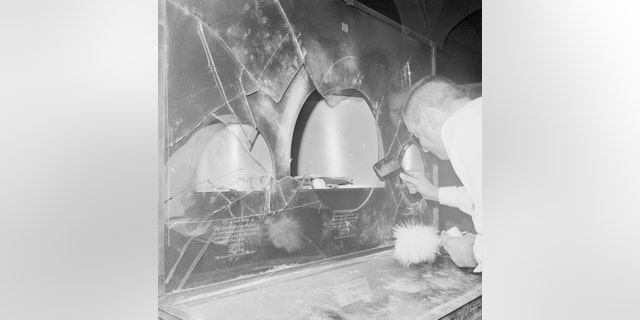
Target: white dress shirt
x=462, y=137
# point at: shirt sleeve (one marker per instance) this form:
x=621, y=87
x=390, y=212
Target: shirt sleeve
x=459, y=197
x=456, y=197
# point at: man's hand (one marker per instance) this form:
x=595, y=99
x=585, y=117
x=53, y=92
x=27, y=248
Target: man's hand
x=417, y=181
x=460, y=249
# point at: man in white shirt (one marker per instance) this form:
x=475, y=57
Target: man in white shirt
x=449, y=125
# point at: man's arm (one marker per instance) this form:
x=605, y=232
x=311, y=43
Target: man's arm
x=464, y=251
x=458, y=197
x=417, y=181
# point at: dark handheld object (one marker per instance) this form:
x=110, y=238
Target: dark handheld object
x=386, y=167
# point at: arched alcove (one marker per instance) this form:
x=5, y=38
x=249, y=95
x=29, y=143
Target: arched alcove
x=336, y=137
x=336, y=141
x=219, y=157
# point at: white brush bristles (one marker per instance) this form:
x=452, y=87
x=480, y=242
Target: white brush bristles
x=415, y=243
x=285, y=234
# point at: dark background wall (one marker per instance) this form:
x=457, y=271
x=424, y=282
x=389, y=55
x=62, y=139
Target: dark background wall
x=455, y=26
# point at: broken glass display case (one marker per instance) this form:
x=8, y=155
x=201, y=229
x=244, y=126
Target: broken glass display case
x=272, y=115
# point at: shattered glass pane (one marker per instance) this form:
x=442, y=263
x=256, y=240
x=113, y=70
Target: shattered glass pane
x=257, y=34
x=281, y=68
x=283, y=192
x=343, y=73
x=365, y=56
x=240, y=199
x=222, y=64
x=192, y=87
x=213, y=182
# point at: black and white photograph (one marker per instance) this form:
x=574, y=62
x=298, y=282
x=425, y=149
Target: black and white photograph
x=320, y=159
x=307, y=150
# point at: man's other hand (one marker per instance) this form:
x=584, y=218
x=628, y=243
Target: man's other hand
x=460, y=249
x=417, y=181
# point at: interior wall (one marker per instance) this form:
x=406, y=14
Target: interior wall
x=461, y=57
x=331, y=145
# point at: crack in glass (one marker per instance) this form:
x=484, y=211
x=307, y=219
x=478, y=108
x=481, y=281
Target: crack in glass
x=227, y=215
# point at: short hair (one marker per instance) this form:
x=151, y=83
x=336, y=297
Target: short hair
x=430, y=92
